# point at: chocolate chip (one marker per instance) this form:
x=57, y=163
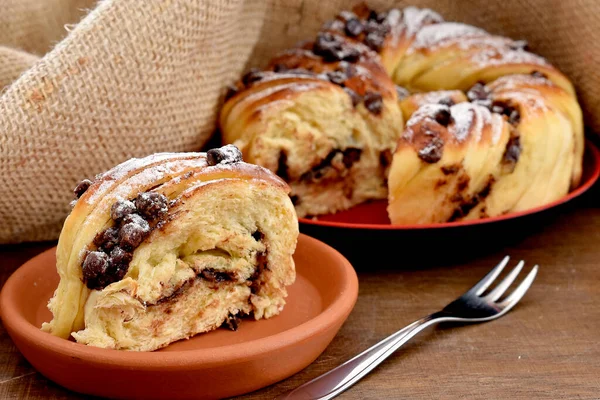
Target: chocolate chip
x=120, y=257
x=231, y=322
x=450, y=169
x=349, y=69
x=385, y=158
x=282, y=168
x=381, y=17
x=539, y=74
x=82, y=187
x=258, y=235
x=513, y=150
x=519, y=45
x=107, y=239
x=337, y=77
x=212, y=275
x=433, y=151
x=133, y=231
x=230, y=92
x=513, y=115
x=228, y=154
x=152, y=205
x=402, y=92
x=351, y=155
x=355, y=97
x=353, y=27
x=280, y=67
x=121, y=209
x=478, y=92
x=373, y=102
x=374, y=41
x=95, y=265
x=332, y=49
x=446, y=101
x=442, y=116
x=251, y=76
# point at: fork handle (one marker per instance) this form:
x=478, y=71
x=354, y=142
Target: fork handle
x=334, y=382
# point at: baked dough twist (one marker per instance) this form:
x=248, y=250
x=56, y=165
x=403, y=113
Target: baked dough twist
x=334, y=118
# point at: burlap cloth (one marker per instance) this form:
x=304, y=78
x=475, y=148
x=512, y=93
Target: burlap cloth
x=89, y=84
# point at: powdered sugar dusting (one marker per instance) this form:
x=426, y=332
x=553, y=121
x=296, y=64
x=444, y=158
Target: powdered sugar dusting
x=416, y=18
x=502, y=55
x=439, y=34
x=144, y=177
x=497, y=123
x=463, y=115
x=425, y=111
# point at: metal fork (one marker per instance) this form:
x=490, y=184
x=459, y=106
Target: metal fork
x=473, y=306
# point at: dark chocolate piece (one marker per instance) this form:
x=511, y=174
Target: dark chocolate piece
x=152, y=205
x=212, y=275
x=351, y=155
x=133, y=231
x=355, y=97
x=442, y=116
x=332, y=48
x=539, y=74
x=121, y=209
x=107, y=239
x=120, y=257
x=337, y=77
x=282, y=168
x=478, y=92
x=450, y=169
x=513, y=150
x=95, y=265
x=433, y=151
x=258, y=235
x=353, y=27
x=374, y=40
x=373, y=102
x=512, y=113
x=446, y=101
x=228, y=154
x=385, y=158
x=251, y=76
x=230, y=92
x=82, y=187
x=231, y=322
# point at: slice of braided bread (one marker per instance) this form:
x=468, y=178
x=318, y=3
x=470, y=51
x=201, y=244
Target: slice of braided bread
x=329, y=117
x=162, y=248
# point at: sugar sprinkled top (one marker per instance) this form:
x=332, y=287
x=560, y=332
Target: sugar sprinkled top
x=435, y=35
x=416, y=18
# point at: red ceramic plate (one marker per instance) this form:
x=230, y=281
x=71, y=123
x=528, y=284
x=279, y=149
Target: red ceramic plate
x=213, y=365
x=373, y=215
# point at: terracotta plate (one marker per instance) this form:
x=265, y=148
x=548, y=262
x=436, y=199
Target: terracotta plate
x=212, y=365
x=373, y=215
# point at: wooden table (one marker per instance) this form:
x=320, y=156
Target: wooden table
x=547, y=347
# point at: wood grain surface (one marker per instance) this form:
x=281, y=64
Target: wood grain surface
x=546, y=348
